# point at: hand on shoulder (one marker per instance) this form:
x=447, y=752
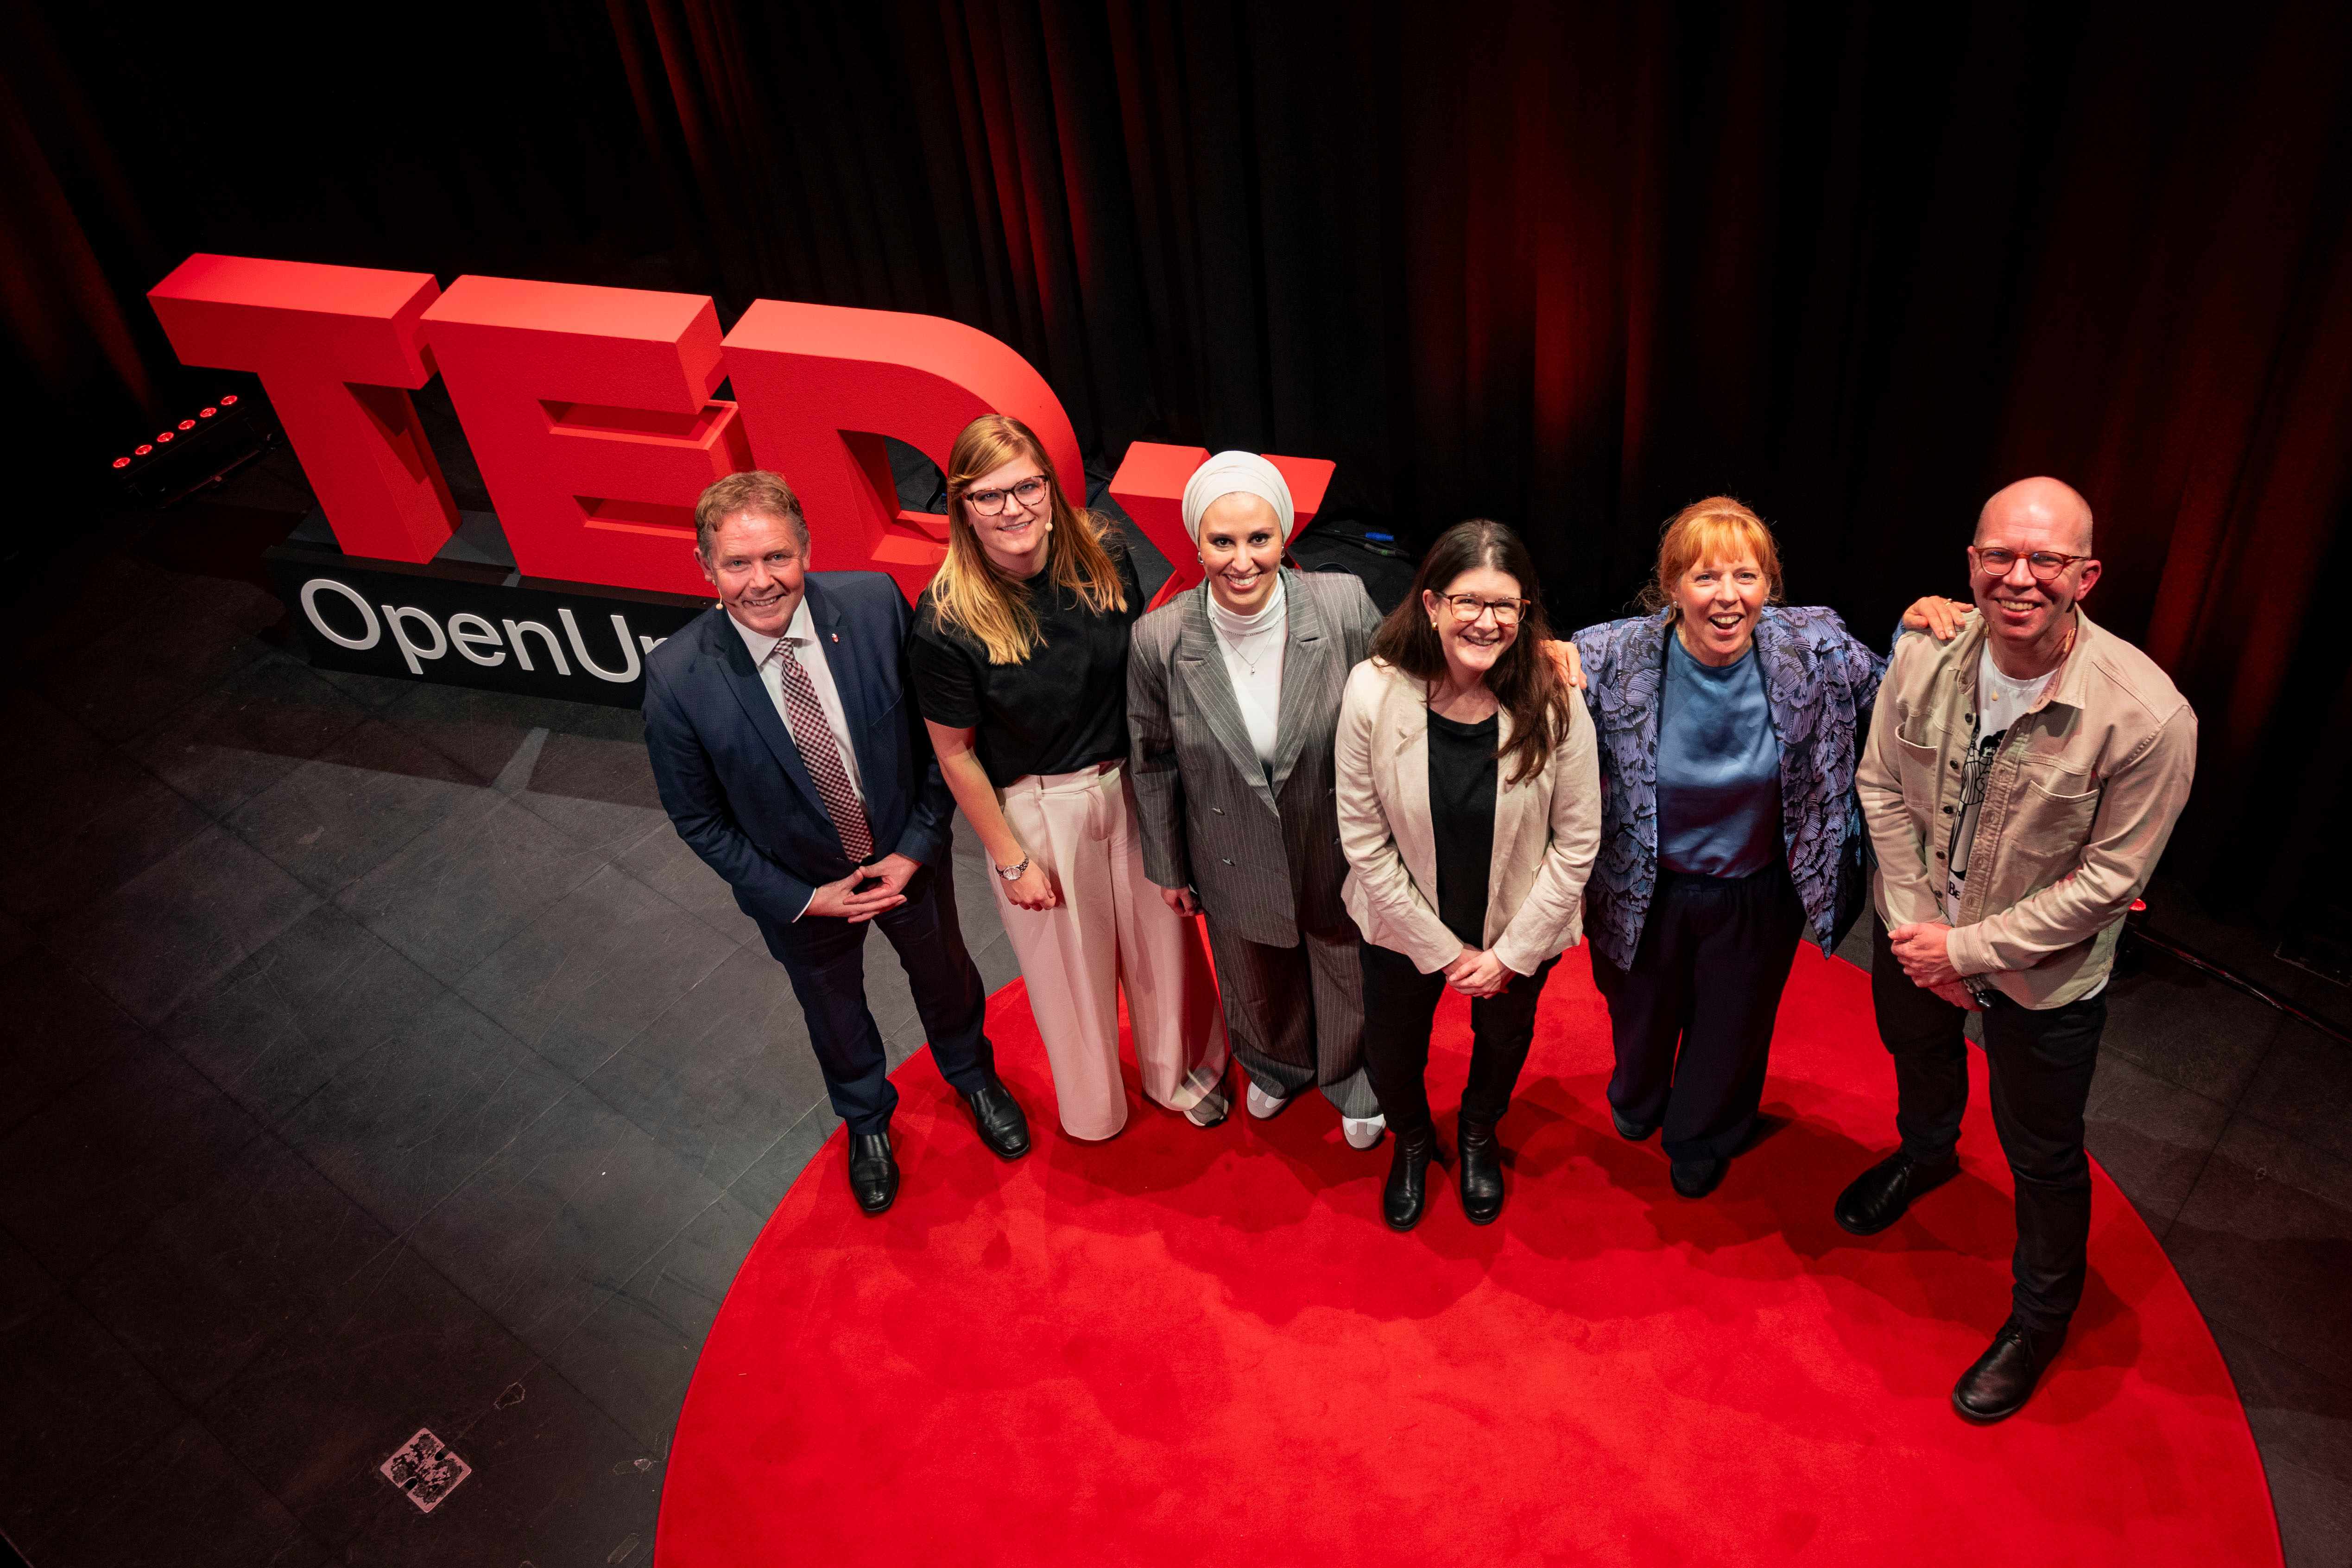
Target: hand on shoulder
x=1940, y=617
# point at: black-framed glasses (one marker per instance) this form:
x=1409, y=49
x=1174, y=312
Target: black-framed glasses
x=1995, y=561
x=1468, y=608
x=988, y=504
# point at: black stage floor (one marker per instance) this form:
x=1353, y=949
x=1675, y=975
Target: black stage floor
x=376, y=1058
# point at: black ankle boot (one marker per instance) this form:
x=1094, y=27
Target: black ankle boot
x=1408, y=1190
x=1481, y=1156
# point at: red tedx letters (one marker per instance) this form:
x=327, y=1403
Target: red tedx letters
x=338, y=349
x=590, y=413
x=1150, y=488
x=822, y=385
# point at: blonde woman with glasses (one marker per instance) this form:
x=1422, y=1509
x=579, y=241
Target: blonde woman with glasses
x=1020, y=655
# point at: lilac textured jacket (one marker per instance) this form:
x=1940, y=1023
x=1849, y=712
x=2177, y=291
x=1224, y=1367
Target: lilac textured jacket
x=1819, y=682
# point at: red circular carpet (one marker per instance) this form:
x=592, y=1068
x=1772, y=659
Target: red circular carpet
x=1192, y=1347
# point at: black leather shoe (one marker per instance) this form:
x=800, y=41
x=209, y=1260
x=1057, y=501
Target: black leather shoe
x=1407, y=1193
x=1480, y=1154
x=1696, y=1178
x=873, y=1171
x=2002, y=1379
x=998, y=1117
x=1876, y=1198
x=1631, y=1132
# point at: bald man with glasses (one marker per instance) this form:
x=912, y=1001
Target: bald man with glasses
x=2019, y=785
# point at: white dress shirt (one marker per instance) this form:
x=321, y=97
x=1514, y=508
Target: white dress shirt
x=802, y=633
x=1253, y=647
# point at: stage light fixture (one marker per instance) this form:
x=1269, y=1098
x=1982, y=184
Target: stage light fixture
x=224, y=435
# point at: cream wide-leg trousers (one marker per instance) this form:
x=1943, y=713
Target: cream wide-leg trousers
x=1109, y=932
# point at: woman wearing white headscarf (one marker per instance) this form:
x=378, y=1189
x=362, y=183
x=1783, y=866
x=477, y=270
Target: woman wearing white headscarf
x=1232, y=697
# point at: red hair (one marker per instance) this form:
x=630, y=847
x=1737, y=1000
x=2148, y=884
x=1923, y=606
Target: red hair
x=1717, y=528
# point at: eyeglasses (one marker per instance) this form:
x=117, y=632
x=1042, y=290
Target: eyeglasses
x=988, y=504
x=1976, y=772
x=1994, y=561
x=1468, y=608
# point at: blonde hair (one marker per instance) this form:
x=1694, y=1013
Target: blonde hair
x=970, y=593
x=1719, y=528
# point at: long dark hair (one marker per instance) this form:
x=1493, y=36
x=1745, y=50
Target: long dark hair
x=1524, y=680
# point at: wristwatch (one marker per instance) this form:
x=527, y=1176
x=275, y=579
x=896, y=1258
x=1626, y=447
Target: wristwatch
x=1012, y=873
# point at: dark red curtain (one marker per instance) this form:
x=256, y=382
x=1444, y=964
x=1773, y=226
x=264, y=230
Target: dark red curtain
x=1570, y=267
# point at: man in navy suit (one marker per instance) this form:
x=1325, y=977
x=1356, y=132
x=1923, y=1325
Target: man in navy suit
x=790, y=756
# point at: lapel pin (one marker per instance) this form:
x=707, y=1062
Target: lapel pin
x=836, y=637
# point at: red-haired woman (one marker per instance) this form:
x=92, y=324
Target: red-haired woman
x=1728, y=727
x=1019, y=654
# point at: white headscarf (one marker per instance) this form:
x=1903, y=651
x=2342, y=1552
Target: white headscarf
x=1229, y=472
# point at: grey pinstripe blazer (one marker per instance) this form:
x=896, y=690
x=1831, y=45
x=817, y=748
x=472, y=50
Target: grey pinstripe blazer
x=1265, y=859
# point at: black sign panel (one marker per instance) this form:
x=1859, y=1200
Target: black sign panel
x=465, y=624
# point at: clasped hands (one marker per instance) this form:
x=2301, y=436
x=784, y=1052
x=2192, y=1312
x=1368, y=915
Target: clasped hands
x=1924, y=948
x=1476, y=972
x=887, y=890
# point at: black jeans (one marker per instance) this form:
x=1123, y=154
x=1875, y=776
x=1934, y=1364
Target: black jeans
x=1707, y=976
x=825, y=958
x=2041, y=1064
x=1399, y=1004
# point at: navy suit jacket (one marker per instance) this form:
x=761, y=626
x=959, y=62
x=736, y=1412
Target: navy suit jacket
x=731, y=778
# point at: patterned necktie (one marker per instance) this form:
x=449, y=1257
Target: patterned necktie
x=821, y=752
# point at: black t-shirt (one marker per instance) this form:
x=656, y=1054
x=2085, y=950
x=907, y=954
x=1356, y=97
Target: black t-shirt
x=1462, y=813
x=1062, y=709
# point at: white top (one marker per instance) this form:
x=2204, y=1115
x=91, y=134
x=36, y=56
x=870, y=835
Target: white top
x=1253, y=647
x=802, y=633
x=2001, y=702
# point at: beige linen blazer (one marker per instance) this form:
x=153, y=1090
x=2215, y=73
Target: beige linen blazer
x=2077, y=807
x=1547, y=831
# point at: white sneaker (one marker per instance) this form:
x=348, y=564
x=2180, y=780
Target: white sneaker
x=1210, y=1109
x=1262, y=1104
x=1364, y=1133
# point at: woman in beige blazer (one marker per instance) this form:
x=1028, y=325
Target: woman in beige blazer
x=1470, y=812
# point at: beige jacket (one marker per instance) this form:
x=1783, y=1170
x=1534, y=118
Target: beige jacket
x=2077, y=806
x=1547, y=831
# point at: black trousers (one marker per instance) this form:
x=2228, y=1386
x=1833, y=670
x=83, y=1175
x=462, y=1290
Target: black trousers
x=1399, y=1002
x=2041, y=1064
x=825, y=958
x=1706, y=978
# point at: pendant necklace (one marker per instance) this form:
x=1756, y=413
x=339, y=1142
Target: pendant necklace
x=1247, y=662
x=1258, y=636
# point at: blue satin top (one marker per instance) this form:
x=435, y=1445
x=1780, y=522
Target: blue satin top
x=1719, y=768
